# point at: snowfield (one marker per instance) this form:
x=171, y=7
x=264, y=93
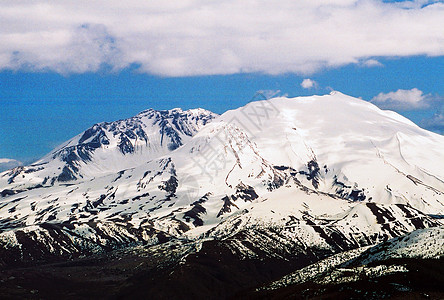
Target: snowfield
x=316, y=175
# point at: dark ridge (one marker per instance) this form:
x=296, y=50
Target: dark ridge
x=226, y=208
x=197, y=210
x=18, y=199
x=312, y=173
x=146, y=173
x=277, y=181
x=203, y=199
x=357, y=195
x=174, y=139
x=119, y=175
x=334, y=238
x=141, y=196
x=66, y=175
x=45, y=180
x=8, y=192
x=98, y=201
x=99, y=139
x=344, y=192
x=339, y=183
x=424, y=280
x=203, y=276
x=14, y=173
x=245, y=192
x=32, y=170
x=281, y=168
x=381, y=213
x=169, y=185
x=125, y=144
x=194, y=214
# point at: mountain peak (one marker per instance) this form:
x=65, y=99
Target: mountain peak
x=293, y=179
x=113, y=146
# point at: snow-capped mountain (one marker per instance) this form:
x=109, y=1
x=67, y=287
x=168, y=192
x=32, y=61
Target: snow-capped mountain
x=280, y=178
x=111, y=147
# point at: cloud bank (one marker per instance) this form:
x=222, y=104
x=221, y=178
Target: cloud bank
x=197, y=37
x=403, y=100
x=436, y=123
x=7, y=163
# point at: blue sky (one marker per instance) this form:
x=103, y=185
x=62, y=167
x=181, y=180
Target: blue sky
x=66, y=66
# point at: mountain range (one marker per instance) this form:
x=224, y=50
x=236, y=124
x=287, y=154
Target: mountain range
x=285, y=197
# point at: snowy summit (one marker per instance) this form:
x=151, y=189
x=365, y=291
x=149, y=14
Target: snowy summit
x=303, y=177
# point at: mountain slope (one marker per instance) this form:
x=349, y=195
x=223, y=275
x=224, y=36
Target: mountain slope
x=112, y=147
x=352, y=145
x=277, y=180
x=406, y=266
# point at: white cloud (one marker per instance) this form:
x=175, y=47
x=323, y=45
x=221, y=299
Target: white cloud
x=195, y=37
x=7, y=163
x=372, y=63
x=436, y=123
x=402, y=99
x=308, y=83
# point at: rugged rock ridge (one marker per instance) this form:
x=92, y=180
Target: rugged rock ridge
x=113, y=146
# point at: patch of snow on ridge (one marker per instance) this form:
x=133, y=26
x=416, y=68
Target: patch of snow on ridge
x=422, y=243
